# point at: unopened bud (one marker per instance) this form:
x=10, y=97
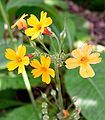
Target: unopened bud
x=47, y=31
x=45, y=117
x=30, y=56
x=62, y=35
x=44, y=95
x=44, y=105
x=41, y=37
x=53, y=93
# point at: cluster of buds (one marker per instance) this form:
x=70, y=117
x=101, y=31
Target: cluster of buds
x=45, y=111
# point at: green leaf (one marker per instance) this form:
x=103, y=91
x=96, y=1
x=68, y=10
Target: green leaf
x=22, y=113
x=5, y=103
x=90, y=92
x=11, y=80
x=70, y=30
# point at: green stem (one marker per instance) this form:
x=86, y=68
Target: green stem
x=60, y=99
x=53, y=45
x=28, y=87
x=44, y=46
x=58, y=42
x=5, y=19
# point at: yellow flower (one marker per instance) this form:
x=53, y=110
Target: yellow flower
x=83, y=58
x=43, y=69
x=18, y=59
x=21, y=23
x=37, y=26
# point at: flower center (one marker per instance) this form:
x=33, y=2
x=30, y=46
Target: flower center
x=39, y=27
x=19, y=59
x=84, y=59
x=44, y=69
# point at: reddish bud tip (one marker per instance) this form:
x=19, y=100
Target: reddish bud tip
x=47, y=32
x=30, y=56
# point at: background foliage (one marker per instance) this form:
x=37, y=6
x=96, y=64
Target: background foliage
x=90, y=93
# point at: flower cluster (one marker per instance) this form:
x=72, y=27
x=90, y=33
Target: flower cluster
x=82, y=57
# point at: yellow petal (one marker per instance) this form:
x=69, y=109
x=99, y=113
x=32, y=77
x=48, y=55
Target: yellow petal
x=36, y=72
x=43, y=16
x=36, y=34
x=46, y=78
x=30, y=31
x=32, y=21
x=47, y=22
x=94, y=58
x=10, y=54
x=87, y=49
x=14, y=25
x=86, y=71
x=12, y=65
x=21, y=69
x=77, y=53
x=21, y=51
x=51, y=72
x=45, y=61
x=71, y=63
x=25, y=60
x=35, y=63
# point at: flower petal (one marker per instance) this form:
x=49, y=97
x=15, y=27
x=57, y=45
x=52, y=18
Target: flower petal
x=51, y=72
x=71, y=63
x=10, y=54
x=46, y=78
x=32, y=21
x=47, y=22
x=30, y=31
x=17, y=22
x=12, y=65
x=43, y=16
x=45, y=61
x=25, y=60
x=36, y=34
x=77, y=53
x=36, y=72
x=22, y=24
x=21, y=68
x=86, y=71
x=21, y=51
x=94, y=58
x=87, y=49
x=35, y=63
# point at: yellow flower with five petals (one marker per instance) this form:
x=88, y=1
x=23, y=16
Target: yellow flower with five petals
x=37, y=26
x=18, y=58
x=83, y=57
x=43, y=69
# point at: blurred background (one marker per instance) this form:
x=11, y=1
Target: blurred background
x=84, y=21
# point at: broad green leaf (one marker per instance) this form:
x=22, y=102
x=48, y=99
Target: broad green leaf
x=22, y=113
x=90, y=92
x=70, y=30
x=6, y=103
x=15, y=81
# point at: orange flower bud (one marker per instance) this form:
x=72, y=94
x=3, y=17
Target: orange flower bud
x=22, y=25
x=65, y=113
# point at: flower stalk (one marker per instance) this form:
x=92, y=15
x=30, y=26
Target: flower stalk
x=6, y=20
x=60, y=99
x=28, y=87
